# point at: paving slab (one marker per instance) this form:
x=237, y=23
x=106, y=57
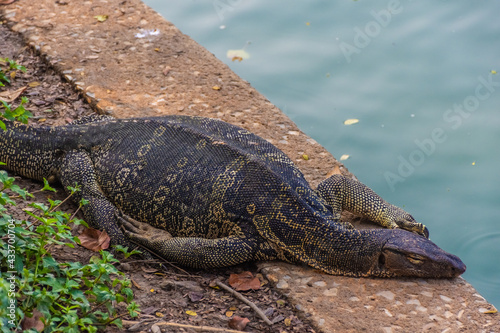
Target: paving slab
x=128, y=61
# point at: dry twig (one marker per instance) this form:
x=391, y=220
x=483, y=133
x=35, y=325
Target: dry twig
x=246, y=301
x=199, y=328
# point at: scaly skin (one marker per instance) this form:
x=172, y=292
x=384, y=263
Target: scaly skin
x=210, y=194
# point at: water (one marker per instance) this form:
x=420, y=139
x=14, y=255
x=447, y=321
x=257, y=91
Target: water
x=417, y=75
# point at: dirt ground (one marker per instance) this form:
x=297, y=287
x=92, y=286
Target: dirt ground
x=166, y=292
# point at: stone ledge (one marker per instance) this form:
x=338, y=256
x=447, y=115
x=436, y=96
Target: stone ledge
x=169, y=73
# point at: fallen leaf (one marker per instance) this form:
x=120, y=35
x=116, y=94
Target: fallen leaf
x=94, y=239
x=195, y=296
x=157, y=49
x=269, y=312
x=13, y=75
x=238, y=323
x=135, y=284
x=305, y=157
x=263, y=281
x=237, y=54
x=492, y=310
x=34, y=84
x=11, y=95
x=145, y=33
x=213, y=284
x=95, y=49
x=344, y=157
x=334, y=171
x=149, y=310
x=149, y=269
x=33, y=322
x=101, y=18
x=191, y=313
x=351, y=121
x=229, y=314
x=288, y=321
x=216, y=88
x=278, y=318
x=159, y=314
x=280, y=302
x=273, y=278
x=6, y=2
x=166, y=70
x=244, y=281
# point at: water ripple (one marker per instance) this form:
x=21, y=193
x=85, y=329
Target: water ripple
x=481, y=254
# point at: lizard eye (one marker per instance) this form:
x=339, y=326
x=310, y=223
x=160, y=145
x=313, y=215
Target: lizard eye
x=415, y=259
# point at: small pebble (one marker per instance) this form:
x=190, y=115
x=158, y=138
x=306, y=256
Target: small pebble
x=282, y=285
x=155, y=329
x=413, y=301
x=445, y=298
x=387, y=294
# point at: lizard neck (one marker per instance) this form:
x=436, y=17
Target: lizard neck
x=341, y=250
x=320, y=241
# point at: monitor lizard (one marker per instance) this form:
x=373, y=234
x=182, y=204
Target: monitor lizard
x=204, y=193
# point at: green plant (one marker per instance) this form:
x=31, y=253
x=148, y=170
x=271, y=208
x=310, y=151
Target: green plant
x=19, y=113
x=69, y=297
x=10, y=66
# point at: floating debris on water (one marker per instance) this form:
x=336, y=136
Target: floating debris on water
x=237, y=55
x=351, y=121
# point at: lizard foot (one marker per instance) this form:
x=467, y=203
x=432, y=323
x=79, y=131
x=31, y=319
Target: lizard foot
x=413, y=226
x=140, y=232
x=398, y=218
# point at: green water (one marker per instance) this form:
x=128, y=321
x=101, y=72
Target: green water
x=417, y=75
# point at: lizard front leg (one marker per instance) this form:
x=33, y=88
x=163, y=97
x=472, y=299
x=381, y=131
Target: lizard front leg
x=100, y=213
x=192, y=252
x=343, y=193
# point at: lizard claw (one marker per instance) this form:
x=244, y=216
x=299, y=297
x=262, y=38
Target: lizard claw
x=141, y=232
x=396, y=217
x=130, y=228
x=426, y=232
x=407, y=222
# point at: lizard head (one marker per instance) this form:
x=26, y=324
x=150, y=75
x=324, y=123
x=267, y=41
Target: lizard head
x=407, y=254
